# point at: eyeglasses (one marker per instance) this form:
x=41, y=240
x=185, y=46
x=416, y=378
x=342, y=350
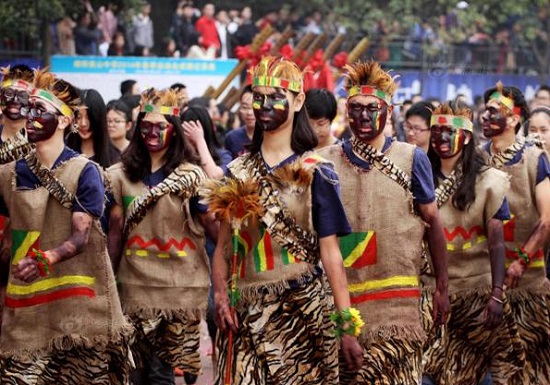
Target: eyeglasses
x=115, y=121
x=10, y=93
x=35, y=112
x=415, y=129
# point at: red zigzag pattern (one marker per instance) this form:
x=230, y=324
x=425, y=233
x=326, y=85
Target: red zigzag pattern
x=179, y=245
x=466, y=234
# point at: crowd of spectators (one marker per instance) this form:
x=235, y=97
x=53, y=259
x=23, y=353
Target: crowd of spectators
x=214, y=33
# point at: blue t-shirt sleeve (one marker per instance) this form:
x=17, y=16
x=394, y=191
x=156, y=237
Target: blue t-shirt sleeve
x=225, y=159
x=329, y=216
x=543, y=168
x=422, y=178
x=90, y=193
x=503, y=213
x=196, y=207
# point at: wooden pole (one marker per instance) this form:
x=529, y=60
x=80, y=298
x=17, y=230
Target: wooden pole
x=302, y=45
x=314, y=46
x=358, y=50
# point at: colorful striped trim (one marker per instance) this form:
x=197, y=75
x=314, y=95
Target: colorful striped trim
x=370, y=91
x=22, y=242
x=270, y=81
x=19, y=83
x=467, y=245
x=386, y=294
x=504, y=100
x=145, y=253
x=50, y=283
x=50, y=297
x=452, y=121
x=263, y=252
x=359, y=249
x=53, y=100
x=163, y=110
x=160, y=245
x=399, y=280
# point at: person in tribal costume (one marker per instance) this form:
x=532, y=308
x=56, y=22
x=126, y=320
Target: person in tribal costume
x=14, y=100
x=62, y=322
x=481, y=334
x=388, y=194
x=527, y=232
x=156, y=240
x=276, y=326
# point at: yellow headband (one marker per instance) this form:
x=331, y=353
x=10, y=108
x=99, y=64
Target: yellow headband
x=270, y=81
x=452, y=121
x=506, y=101
x=371, y=91
x=17, y=83
x=52, y=99
x=163, y=110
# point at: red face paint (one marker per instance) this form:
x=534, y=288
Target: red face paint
x=447, y=141
x=157, y=136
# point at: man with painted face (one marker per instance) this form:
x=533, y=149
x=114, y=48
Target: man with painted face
x=472, y=203
x=528, y=230
x=156, y=242
x=388, y=193
x=62, y=321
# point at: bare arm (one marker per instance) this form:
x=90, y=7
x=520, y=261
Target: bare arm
x=210, y=225
x=220, y=276
x=495, y=240
x=27, y=270
x=437, y=246
x=194, y=132
x=114, y=242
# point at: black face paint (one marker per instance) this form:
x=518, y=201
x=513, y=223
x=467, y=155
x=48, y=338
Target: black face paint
x=271, y=111
x=367, y=121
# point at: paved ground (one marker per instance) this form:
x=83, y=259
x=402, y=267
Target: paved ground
x=207, y=371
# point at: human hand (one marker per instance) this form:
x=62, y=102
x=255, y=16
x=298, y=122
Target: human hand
x=26, y=270
x=493, y=313
x=514, y=273
x=352, y=351
x=223, y=316
x=441, y=307
x=193, y=131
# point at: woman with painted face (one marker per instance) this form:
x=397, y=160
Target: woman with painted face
x=156, y=241
x=64, y=323
x=92, y=138
x=472, y=203
x=281, y=315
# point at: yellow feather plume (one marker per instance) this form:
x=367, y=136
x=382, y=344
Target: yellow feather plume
x=370, y=73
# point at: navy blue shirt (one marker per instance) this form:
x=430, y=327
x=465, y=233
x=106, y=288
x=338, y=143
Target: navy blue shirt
x=422, y=185
x=543, y=166
x=225, y=158
x=236, y=140
x=90, y=192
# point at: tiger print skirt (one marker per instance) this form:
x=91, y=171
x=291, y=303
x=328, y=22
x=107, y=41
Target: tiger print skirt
x=532, y=316
x=283, y=338
x=462, y=352
x=109, y=365
x=175, y=339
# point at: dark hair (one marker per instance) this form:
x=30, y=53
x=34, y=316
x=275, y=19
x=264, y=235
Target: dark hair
x=201, y=114
x=543, y=87
x=120, y=106
x=136, y=158
x=132, y=101
x=321, y=103
x=519, y=101
x=201, y=101
x=544, y=110
x=178, y=86
x=303, y=137
x=97, y=115
x=472, y=164
x=424, y=109
x=126, y=87
x=21, y=71
x=246, y=90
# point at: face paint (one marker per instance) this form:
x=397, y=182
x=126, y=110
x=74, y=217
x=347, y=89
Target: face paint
x=367, y=121
x=447, y=141
x=41, y=124
x=13, y=103
x=157, y=136
x=494, y=121
x=271, y=111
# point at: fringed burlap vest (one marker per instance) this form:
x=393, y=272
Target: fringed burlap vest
x=77, y=305
x=525, y=215
x=283, y=246
x=469, y=263
x=164, y=264
x=382, y=255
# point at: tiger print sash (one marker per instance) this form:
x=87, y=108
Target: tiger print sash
x=501, y=158
x=15, y=148
x=182, y=182
x=448, y=187
x=284, y=230
x=49, y=181
x=381, y=162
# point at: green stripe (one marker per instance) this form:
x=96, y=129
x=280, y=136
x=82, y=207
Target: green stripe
x=349, y=242
x=127, y=201
x=17, y=236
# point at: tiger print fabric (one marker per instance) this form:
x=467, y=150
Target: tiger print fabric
x=108, y=366
x=464, y=351
x=175, y=340
x=15, y=148
x=387, y=361
x=532, y=317
x=283, y=339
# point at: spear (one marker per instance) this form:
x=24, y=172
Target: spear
x=302, y=45
x=314, y=46
x=332, y=47
x=358, y=50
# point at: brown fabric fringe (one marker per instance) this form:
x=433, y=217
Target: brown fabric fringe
x=407, y=333
x=166, y=314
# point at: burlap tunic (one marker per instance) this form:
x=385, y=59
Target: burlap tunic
x=382, y=259
x=467, y=350
x=285, y=332
x=530, y=301
x=68, y=327
x=164, y=272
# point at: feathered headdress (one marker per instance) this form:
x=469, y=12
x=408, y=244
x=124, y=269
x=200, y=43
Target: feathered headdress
x=56, y=91
x=444, y=115
x=165, y=102
x=368, y=78
x=278, y=73
x=16, y=78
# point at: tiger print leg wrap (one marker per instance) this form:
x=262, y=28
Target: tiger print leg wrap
x=283, y=339
x=388, y=361
x=174, y=341
x=531, y=314
x=464, y=351
x=109, y=366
